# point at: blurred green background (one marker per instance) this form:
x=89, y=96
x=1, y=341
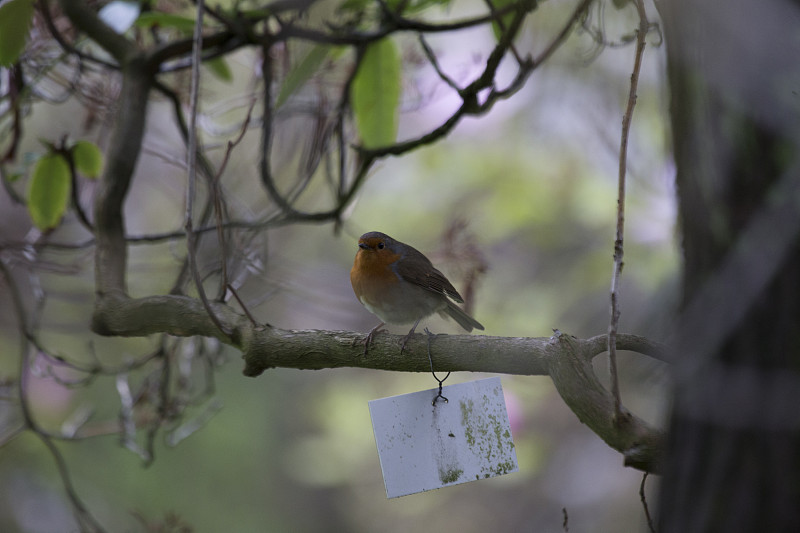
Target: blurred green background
x=533, y=187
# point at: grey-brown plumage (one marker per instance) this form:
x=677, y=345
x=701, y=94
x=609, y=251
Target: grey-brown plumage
x=397, y=283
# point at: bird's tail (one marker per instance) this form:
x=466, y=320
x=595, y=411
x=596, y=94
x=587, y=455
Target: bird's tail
x=463, y=319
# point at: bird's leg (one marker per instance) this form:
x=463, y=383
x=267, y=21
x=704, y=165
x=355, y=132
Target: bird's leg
x=410, y=333
x=371, y=335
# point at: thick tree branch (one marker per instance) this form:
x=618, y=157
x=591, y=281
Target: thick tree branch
x=565, y=359
x=116, y=314
x=574, y=378
x=124, y=149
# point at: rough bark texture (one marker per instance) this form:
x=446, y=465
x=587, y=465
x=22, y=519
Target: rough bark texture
x=733, y=449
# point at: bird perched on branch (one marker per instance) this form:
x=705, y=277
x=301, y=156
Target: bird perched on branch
x=399, y=285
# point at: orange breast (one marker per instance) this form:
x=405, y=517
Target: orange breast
x=372, y=274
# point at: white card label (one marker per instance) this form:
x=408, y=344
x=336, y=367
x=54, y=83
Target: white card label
x=424, y=446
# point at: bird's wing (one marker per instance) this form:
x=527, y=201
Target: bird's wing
x=417, y=269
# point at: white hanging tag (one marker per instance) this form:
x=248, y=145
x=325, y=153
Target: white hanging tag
x=424, y=446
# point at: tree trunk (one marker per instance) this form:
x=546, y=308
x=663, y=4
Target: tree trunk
x=733, y=458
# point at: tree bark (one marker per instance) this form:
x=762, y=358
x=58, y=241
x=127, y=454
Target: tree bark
x=733, y=447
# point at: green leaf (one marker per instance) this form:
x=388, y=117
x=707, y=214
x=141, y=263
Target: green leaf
x=88, y=158
x=49, y=190
x=219, y=68
x=505, y=19
x=15, y=22
x=302, y=72
x=165, y=20
x=375, y=94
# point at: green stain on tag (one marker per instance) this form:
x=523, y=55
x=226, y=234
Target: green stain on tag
x=450, y=476
x=479, y=428
x=466, y=417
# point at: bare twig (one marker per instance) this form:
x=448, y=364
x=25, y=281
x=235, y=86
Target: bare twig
x=214, y=204
x=15, y=93
x=265, y=164
x=82, y=514
x=435, y=64
x=613, y=326
x=644, y=504
x=580, y=10
x=503, y=30
x=94, y=369
x=75, y=189
x=232, y=144
x=192, y=164
x=216, y=192
x=244, y=307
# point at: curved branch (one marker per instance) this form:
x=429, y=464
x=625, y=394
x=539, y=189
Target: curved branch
x=117, y=314
x=632, y=343
x=576, y=382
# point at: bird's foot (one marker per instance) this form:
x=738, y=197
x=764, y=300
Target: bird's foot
x=407, y=337
x=405, y=340
x=370, y=336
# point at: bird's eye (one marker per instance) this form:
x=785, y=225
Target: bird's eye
x=381, y=246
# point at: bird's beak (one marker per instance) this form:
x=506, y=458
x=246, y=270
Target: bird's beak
x=363, y=246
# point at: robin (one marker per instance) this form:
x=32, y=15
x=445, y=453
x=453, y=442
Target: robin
x=400, y=285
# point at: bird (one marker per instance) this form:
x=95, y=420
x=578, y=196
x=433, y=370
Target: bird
x=399, y=285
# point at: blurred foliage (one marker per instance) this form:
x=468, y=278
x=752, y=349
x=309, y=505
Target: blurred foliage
x=15, y=21
x=531, y=186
